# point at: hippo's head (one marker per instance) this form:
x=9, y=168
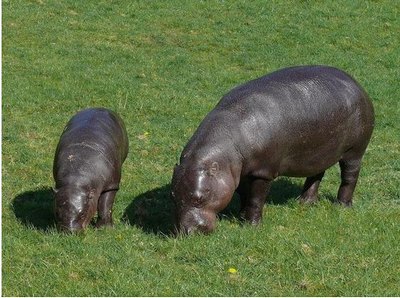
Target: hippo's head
x=199, y=193
x=74, y=208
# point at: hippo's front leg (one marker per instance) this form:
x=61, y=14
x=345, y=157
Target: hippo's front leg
x=104, y=208
x=253, y=192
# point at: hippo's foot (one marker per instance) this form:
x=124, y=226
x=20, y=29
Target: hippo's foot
x=308, y=200
x=252, y=219
x=346, y=204
x=104, y=222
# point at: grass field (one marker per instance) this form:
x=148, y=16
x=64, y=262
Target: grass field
x=162, y=66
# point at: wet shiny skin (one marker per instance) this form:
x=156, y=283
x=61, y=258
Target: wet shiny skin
x=294, y=122
x=87, y=168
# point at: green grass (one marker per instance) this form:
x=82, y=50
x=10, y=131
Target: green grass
x=162, y=66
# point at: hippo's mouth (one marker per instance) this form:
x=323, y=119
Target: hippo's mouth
x=72, y=227
x=197, y=221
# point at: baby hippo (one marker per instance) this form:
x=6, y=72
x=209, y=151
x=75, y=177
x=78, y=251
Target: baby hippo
x=296, y=122
x=87, y=168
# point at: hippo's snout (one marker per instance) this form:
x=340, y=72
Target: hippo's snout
x=196, y=220
x=73, y=210
x=68, y=222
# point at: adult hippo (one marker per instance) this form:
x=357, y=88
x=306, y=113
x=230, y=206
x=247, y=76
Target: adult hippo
x=297, y=122
x=87, y=168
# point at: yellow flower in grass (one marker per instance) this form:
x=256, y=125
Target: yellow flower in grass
x=143, y=136
x=232, y=270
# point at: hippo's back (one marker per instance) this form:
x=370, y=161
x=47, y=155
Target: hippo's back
x=97, y=125
x=94, y=142
x=301, y=119
x=312, y=88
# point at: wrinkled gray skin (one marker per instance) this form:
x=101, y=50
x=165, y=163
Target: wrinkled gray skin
x=87, y=168
x=295, y=122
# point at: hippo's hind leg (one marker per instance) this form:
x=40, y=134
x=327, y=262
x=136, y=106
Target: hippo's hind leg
x=104, y=208
x=243, y=191
x=253, y=193
x=350, y=169
x=310, y=189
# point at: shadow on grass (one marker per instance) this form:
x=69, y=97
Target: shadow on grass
x=331, y=198
x=35, y=208
x=283, y=190
x=153, y=211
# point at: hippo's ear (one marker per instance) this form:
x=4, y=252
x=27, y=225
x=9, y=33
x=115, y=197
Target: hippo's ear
x=91, y=194
x=214, y=168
